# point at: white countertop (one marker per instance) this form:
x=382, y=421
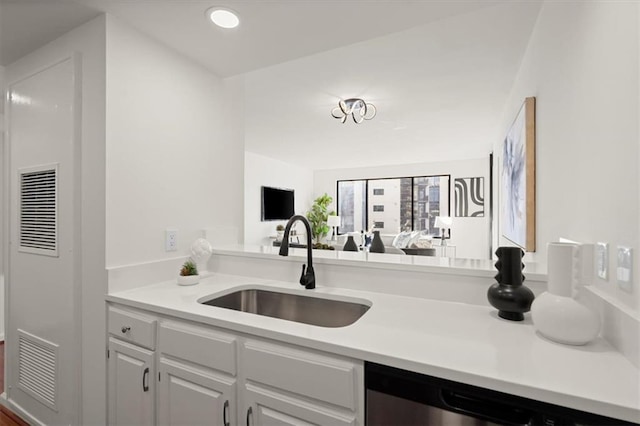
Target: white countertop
x=455, y=341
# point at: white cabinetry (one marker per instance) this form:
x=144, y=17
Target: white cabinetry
x=131, y=375
x=131, y=368
x=190, y=396
x=197, y=375
x=274, y=408
x=201, y=375
x=289, y=385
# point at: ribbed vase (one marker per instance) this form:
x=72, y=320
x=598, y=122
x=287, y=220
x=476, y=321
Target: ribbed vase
x=556, y=314
x=508, y=295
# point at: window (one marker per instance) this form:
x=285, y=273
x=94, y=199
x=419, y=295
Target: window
x=352, y=206
x=392, y=205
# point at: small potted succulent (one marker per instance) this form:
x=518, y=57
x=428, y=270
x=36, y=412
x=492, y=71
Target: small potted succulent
x=279, y=232
x=188, y=273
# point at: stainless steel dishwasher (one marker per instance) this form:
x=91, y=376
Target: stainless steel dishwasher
x=397, y=397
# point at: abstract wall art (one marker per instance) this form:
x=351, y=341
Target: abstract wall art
x=469, y=193
x=518, y=179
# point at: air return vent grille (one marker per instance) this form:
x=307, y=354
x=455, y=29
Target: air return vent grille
x=38, y=368
x=38, y=210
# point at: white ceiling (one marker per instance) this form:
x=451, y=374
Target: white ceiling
x=440, y=90
x=439, y=71
x=271, y=31
x=26, y=25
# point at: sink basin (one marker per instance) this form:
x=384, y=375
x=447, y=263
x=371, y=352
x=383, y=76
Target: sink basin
x=292, y=307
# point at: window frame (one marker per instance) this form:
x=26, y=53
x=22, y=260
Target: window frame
x=366, y=194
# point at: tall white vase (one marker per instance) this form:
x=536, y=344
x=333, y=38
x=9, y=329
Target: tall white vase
x=200, y=253
x=556, y=314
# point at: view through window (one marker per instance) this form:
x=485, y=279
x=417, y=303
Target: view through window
x=393, y=205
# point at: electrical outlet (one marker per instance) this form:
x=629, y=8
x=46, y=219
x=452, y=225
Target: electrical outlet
x=171, y=239
x=624, y=271
x=602, y=260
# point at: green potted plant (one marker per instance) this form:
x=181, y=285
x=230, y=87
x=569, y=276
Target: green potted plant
x=318, y=216
x=188, y=273
x=279, y=232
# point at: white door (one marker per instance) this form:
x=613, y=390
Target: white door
x=131, y=384
x=189, y=396
x=43, y=330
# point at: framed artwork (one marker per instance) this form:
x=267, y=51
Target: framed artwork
x=518, y=179
x=469, y=193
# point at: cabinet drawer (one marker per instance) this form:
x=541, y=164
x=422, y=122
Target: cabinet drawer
x=272, y=408
x=133, y=327
x=200, y=345
x=303, y=372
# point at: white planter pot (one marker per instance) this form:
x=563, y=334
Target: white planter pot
x=188, y=280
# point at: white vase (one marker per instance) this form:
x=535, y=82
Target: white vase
x=200, y=253
x=188, y=279
x=556, y=314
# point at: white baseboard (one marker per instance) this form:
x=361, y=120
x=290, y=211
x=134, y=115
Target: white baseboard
x=19, y=411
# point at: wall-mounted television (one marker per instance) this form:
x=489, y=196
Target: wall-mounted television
x=277, y=203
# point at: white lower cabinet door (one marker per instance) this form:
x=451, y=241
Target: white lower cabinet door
x=265, y=407
x=192, y=396
x=131, y=394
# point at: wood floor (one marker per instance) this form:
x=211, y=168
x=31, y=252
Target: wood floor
x=7, y=418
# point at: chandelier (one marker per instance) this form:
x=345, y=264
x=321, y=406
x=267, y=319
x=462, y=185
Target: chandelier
x=357, y=108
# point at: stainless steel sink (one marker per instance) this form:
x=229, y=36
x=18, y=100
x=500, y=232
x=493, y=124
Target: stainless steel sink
x=292, y=307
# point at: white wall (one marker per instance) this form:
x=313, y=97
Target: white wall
x=582, y=66
x=88, y=41
x=234, y=118
x=171, y=161
x=264, y=171
x=1, y=204
x=470, y=235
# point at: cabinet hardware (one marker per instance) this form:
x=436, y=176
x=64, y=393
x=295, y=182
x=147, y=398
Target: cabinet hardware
x=249, y=414
x=225, y=422
x=125, y=329
x=145, y=380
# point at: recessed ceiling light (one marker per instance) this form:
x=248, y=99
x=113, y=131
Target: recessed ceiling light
x=223, y=18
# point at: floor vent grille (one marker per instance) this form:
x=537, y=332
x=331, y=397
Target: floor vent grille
x=38, y=368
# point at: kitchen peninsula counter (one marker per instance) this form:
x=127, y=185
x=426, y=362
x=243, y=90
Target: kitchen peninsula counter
x=456, y=341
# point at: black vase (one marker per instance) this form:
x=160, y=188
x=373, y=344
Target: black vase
x=377, y=246
x=350, y=245
x=508, y=295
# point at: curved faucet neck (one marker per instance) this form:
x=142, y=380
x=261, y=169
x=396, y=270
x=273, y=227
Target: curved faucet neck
x=285, y=237
x=308, y=277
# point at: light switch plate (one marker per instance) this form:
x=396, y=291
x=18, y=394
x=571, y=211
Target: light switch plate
x=624, y=271
x=602, y=260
